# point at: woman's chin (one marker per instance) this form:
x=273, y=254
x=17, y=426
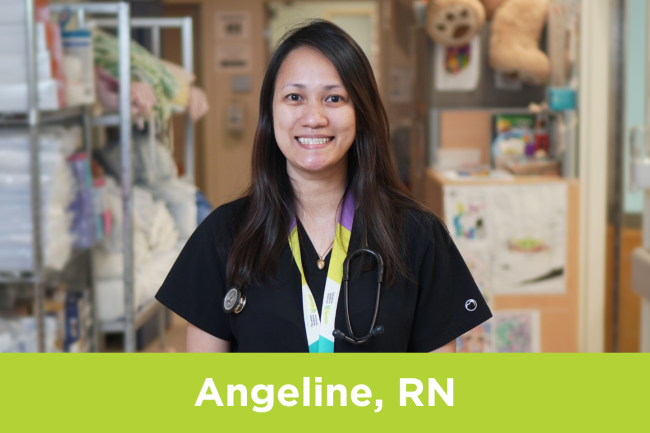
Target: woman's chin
x=314, y=164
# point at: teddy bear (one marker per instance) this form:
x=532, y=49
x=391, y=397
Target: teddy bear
x=514, y=40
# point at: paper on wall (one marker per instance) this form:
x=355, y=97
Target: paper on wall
x=466, y=214
x=401, y=84
x=518, y=230
x=478, y=340
x=517, y=331
x=458, y=69
x=233, y=57
x=232, y=25
x=528, y=238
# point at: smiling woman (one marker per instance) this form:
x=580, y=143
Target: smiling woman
x=264, y=273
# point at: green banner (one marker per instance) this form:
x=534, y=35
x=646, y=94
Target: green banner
x=326, y=392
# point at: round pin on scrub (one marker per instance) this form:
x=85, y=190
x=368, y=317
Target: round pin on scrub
x=234, y=301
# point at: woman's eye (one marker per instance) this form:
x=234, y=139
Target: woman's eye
x=294, y=97
x=335, y=98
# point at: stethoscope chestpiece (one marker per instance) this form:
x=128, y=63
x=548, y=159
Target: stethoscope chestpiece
x=234, y=301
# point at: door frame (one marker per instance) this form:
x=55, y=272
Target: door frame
x=595, y=37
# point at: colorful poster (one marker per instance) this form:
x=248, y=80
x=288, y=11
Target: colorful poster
x=528, y=238
x=478, y=340
x=466, y=213
x=516, y=331
x=458, y=69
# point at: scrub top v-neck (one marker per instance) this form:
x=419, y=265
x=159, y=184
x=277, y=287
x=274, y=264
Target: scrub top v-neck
x=419, y=314
x=316, y=278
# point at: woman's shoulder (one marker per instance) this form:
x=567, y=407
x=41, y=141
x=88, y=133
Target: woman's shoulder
x=423, y=221
x=221, y=221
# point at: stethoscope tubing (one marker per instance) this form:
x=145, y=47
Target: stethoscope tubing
x=235, y=300
x=351, y=338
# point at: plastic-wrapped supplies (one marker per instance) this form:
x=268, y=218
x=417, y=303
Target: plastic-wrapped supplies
x=156, y=171
x=19, y=334
x=180, y=198
x=155, y=248
x=57, y=191
x=152, y=161
x=148, y=279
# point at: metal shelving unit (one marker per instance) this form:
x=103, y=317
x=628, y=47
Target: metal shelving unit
x=34, y=118
x=134, y=317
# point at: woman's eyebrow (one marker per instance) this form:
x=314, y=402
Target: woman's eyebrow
x=302, y=86
x=299, y=85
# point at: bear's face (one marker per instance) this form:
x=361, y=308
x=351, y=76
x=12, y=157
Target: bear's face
x=454, y=23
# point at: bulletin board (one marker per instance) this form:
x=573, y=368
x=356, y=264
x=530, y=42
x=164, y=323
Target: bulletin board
x=535, y=303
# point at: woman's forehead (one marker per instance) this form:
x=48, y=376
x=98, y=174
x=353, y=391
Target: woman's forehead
x=306, y=68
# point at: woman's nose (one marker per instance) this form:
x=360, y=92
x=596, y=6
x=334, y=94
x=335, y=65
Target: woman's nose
x=313, y=116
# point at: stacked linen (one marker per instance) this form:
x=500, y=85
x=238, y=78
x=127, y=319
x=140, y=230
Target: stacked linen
x=155, y=248
x=57, y=191
x=13, y=59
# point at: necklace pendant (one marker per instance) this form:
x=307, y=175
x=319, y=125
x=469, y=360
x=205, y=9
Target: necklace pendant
x=320, y=264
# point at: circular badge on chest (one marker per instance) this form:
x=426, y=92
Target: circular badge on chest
x=470, y=305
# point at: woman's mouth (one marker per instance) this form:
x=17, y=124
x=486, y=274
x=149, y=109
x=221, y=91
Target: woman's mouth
x=314, y=141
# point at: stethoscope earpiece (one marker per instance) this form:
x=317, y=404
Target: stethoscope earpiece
x=234, y=301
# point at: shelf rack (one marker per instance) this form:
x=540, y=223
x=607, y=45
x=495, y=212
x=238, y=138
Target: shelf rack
x=134, y=318
x=155, y=26
x=34, y=118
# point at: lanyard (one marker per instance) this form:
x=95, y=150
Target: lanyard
x=319, y=330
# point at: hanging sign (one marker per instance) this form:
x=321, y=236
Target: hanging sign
x=232, y=25
x=232, y=57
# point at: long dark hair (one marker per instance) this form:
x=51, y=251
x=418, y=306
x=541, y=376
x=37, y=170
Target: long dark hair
x=262, y=224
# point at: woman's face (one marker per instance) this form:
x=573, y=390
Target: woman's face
x=313, y=115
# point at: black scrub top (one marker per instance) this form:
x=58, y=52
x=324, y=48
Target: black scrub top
x=419, y=314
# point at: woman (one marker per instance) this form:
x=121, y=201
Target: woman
x=323, y=184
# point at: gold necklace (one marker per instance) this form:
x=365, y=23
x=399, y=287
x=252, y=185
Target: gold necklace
x=321, y=263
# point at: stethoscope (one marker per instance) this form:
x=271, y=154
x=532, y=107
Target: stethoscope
x=346, y=286
x=235, y=300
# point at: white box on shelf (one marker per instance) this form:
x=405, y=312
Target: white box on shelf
x=12, y=38
x=13, y=12
x=13, y=97
x=13, y=68
x=454, y=159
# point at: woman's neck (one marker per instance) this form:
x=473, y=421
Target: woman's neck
x=319, y=196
